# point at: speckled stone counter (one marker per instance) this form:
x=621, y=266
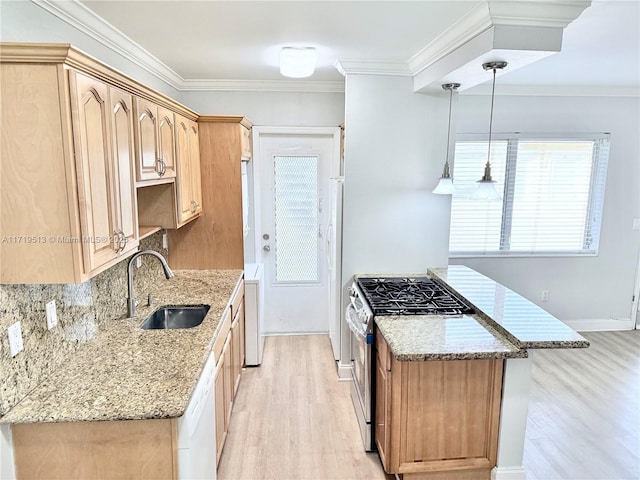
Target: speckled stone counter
x=128, y=373
x=518, y=319
x=435, y=337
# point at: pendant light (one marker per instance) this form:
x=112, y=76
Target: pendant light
x=445, y=185
x=486, y=185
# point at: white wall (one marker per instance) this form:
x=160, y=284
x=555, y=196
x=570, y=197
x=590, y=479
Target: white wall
x=394, y=151
x=271, y=108
x=24, y=21
x=591, y=288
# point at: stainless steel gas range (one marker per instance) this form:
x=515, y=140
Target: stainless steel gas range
x=387, y=296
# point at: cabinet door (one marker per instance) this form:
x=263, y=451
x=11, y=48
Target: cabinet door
x=147, y=140
x=194, y=156
x=90, y=118
x=124, y=167
x=228, y=380
x=221, y=427
x=166, y=143
x=184, y=173
x=236, y=350
x=382, y=420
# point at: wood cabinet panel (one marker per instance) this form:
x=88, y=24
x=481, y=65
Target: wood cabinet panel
x=143, y=449
x=237, y=335
x=215, y=239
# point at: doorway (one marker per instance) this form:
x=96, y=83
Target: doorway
x=293, y=167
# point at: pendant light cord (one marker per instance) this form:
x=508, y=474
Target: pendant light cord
x=449, y=127
x=493, y=92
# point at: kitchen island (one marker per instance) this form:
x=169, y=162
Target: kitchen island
x=116, y=404
x=452, y=392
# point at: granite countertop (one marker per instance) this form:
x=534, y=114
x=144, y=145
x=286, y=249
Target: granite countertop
x=518, y=319
x=127, y=373
x=435, y=337
x=505, y=324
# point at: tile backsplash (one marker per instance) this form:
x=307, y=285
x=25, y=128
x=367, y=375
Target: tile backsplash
x=81, y=308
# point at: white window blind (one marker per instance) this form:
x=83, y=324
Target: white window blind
x=552, y=192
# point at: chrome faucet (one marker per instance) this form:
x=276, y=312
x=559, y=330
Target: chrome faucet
x=131, y=300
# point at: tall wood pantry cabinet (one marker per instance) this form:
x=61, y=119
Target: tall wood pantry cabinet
x=215, y=239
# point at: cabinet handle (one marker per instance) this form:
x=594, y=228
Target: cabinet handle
x=118, y=243
x=160, y=167
x=194, y=206
x=123, y=242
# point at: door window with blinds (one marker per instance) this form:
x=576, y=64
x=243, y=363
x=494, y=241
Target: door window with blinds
x=297, y=220
x=551, y=189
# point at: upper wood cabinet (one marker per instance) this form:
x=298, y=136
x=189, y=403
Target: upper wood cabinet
x=103, y=140
x=188, y=180
x=68, y=159
x=155, y=141
x=216, y=239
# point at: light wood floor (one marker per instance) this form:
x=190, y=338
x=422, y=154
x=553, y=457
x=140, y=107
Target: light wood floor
x=293, y=420
x=584, y=409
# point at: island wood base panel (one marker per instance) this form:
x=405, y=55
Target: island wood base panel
x=483, y=474
x=141, y=449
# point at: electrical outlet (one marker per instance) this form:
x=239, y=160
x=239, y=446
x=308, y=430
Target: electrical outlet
x=545, y=296
x=52, y=315
x=138, y=262
x=636, y=223
x=15, y=339
x=165, y=241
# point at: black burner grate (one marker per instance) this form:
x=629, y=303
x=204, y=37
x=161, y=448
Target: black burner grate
x=410, y=296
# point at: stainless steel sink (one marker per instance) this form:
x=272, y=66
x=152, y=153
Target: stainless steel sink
x=176, y=316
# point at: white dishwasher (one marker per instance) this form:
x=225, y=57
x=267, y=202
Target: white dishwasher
x=253, y=313
x=197, y=430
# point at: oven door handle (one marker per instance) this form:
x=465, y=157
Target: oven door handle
x=356, y=326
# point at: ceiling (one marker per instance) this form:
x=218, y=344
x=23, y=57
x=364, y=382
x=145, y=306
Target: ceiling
x=240, y=40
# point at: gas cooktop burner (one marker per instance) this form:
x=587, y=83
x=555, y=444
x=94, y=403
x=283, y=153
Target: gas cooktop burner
x=410, y=296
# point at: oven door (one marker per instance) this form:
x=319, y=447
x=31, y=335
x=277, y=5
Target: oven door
x=361, y=361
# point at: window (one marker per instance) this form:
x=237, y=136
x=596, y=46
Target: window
x=552, y=193
x=296, y=219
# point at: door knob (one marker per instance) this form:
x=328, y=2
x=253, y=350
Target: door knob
x=266, y=248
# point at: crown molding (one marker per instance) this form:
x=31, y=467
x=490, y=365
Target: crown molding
x=556, y=91
x=536, y=13
x=475, y=22
x=262, y=86
x=364, y=67
x=80, y=17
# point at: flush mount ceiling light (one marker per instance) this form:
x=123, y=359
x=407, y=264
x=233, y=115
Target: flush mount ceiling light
x=298, y=62
x=486, y=186
x=445, y=185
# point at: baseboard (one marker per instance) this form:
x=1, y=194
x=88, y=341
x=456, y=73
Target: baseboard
x=600, y=325
x=508, y=473
x=344, y=373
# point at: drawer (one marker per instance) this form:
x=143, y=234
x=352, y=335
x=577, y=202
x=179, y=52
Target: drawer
x=225, y=326
x=238, y=299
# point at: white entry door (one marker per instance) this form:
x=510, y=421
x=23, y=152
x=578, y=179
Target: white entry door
x=294, y=167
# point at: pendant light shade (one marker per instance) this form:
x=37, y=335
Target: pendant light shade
x=445, y=185
x=486, y=185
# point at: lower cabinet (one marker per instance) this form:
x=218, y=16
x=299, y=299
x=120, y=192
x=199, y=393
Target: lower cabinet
x=229, y=352
x=437, y=419
x=143, y=449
